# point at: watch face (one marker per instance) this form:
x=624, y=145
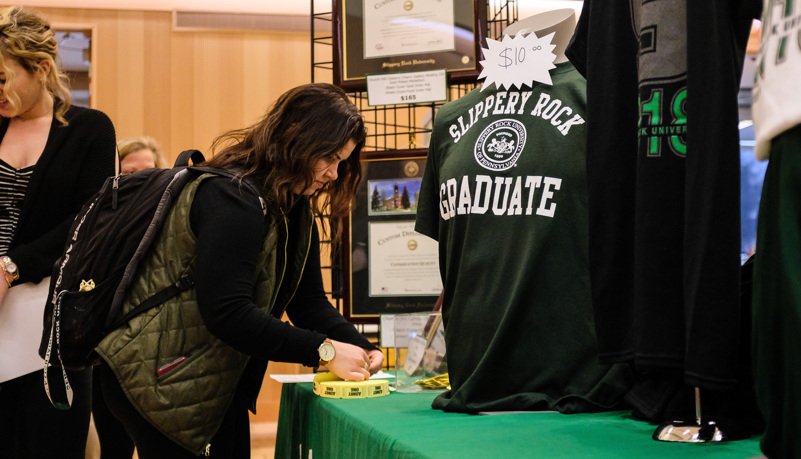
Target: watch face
x=327, y=351
x=11, y=267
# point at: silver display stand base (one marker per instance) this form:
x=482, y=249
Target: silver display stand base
x=689, y=432
x=695, y=431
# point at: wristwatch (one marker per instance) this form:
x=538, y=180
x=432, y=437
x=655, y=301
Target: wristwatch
x=327, y=352
x=11, y=267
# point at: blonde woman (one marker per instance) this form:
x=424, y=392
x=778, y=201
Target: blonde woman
x=53, y=157
x=137, y=153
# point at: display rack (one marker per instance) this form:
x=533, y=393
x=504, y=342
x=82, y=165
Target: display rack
x=404, y=126
x=400, y=129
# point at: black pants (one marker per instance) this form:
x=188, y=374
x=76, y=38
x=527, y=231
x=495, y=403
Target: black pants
x=777, y=309
x=31, y=428
x=232, y=440
x=115, y=443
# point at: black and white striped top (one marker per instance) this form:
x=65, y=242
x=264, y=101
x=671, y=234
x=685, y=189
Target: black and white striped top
x=13, y=183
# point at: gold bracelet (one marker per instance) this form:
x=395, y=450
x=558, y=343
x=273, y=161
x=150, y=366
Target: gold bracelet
x=5, y=274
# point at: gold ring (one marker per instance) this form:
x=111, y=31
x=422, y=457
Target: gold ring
x=366, y=366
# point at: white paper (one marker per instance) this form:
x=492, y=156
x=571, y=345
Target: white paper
x=21, y=314
x=417, y=349
x=406, y=88
x=294, y=378
x=387, y=337
x=407, y=27
x=395, y=328
x=438, y=343
x=309, y=377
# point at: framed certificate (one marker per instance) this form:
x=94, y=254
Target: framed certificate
x=397, y=36
x=388, y=267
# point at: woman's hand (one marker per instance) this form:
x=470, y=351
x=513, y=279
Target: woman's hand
x=376, y=360
x=350, y=362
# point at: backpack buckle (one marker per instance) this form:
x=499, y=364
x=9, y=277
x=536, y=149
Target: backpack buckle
x=185, y=282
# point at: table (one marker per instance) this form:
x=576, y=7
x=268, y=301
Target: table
x=403, y=425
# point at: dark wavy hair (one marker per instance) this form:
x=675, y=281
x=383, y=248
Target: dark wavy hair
x=308, y=123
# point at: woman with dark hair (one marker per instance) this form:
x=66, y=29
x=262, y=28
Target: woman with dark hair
x=182, y=377
x=53, y=157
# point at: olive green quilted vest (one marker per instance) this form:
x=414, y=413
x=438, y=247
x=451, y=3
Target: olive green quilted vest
x=188, y=403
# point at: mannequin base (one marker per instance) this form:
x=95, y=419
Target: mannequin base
x=696, y=432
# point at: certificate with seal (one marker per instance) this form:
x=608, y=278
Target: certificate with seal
x=374, y=37
x=387, y=267
x=402, y=261
x=405, y=27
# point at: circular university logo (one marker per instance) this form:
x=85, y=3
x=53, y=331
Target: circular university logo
x=500, y=144
x=411, y=169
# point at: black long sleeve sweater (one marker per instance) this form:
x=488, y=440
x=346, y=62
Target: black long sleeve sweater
x=230, y=230
x=73, y=166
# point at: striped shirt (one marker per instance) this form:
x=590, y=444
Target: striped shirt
x=13, y=183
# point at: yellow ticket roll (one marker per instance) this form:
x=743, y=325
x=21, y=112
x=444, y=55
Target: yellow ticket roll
x=331, y=386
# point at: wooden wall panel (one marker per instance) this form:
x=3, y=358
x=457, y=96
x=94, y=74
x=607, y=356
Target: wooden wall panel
x=181, y=97
x=184, y=87
x=130, y=96
x=155, y=79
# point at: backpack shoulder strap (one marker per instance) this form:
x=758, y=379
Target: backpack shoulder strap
x=183, y=159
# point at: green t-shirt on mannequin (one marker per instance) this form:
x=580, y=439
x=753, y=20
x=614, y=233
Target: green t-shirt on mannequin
x=504, y=193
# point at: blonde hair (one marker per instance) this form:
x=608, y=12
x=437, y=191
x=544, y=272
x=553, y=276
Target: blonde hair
x=129, y=145
x=28, y=39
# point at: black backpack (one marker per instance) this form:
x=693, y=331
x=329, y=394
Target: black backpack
x=107, y=240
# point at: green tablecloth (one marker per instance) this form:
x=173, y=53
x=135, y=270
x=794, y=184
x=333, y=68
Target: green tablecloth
x=405, y=426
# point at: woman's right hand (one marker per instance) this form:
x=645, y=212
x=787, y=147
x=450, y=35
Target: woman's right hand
x=350, y=362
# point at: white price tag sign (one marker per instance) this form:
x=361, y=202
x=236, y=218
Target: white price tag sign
x=406, y=88
x=518, y=61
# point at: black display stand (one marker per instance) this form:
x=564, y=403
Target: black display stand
x=394, y=132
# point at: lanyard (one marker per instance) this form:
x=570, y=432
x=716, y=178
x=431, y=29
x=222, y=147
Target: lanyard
x=55, y=330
